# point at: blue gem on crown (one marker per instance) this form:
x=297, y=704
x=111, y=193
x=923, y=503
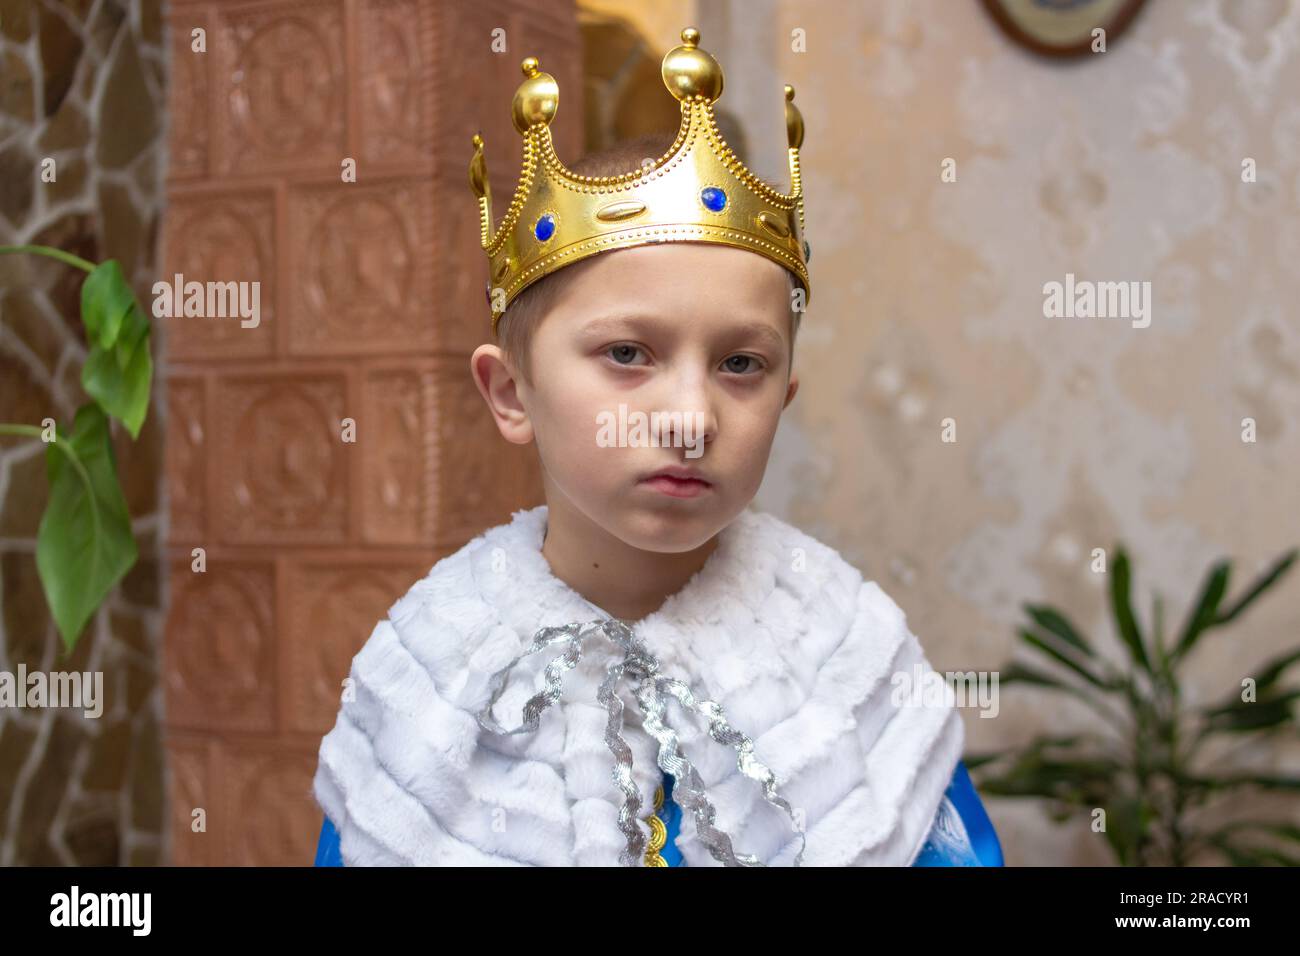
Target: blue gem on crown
x=714, y=199
x=545, y=227
x=807, y=251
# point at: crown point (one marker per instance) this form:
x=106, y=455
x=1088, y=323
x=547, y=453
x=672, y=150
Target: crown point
x=793, y=120
x=537, y=98
x=689, y=72
x=476, y=141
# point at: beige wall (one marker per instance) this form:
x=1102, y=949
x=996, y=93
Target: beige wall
x=1072, y=434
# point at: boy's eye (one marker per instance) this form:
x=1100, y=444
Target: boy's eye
x=742, y=358
x=622, y=354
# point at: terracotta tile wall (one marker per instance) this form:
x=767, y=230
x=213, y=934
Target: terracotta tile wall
x=372, y=300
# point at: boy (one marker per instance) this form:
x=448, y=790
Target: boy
x=644, y=670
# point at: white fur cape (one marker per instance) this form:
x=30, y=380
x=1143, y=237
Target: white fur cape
x=776, y=627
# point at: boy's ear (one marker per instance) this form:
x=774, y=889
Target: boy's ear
x=790, y=390
x=496, y=383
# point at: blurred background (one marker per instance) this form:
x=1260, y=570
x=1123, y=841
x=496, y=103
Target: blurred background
x=964, y=450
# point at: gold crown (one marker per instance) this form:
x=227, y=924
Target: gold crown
x=698, y=191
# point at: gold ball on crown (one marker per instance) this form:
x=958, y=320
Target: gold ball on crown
x=537, y=98
x=688, y=71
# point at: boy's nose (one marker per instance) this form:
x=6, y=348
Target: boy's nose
x=695, y=408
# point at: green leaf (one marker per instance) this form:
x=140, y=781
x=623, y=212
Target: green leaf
x=1081, y=782
x=1122, y=609
x=105, y=300
x=84, y=544
x=1230, y=782
x=1266, y=581
x=1206, y=607
x=1241, y=716
x=1158, y=633
x=1274, y=668
x=1082, y=779
x=1052, y=621
x=119, y=376
x=1023, y=673
x=1032, y=639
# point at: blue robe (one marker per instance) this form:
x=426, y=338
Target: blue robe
x=968, y=840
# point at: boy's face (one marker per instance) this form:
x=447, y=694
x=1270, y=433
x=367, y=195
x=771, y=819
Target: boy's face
x=702, y=331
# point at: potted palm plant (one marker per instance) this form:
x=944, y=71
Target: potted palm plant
x=1143, y=763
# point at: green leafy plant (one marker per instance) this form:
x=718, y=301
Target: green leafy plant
x=84, y=545
x=1147, y=770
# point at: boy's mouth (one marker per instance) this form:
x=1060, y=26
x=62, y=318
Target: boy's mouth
x=679, y=482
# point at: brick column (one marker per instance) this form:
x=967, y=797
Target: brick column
x=372, y=300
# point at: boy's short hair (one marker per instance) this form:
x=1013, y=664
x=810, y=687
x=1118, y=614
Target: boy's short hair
x=519, y=321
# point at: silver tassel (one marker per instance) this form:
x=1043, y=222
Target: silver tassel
x=649, y=687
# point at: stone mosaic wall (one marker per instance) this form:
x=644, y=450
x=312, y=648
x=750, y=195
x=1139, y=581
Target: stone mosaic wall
x=82, y=84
